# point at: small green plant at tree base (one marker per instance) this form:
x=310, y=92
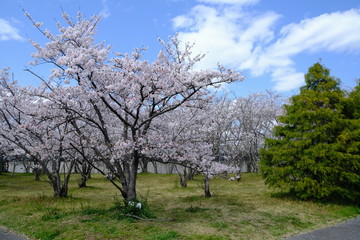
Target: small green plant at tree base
x=134, y=209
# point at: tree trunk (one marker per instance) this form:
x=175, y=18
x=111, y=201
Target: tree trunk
x=144, y=165
x=183, y=180
x=132, y=176
x=27, y=167
x=191, y=174
x=85, y=173
x=155, y=167
x=82, y=182
x=188, y=174
x=61, y=191
x=171, y=168
x=207, y=186
x=1, y=164
x=37, y=172
x=60, y=186
x=238, y=176
x=13, y=171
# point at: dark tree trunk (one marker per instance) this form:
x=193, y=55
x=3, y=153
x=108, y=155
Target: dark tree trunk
x=207, y=186
x=144, y=165
x=82, y=182
x=132, y=176
x=85, y=171
x=60, y=186
x=185, y=176
x=14, y=169
x=1, y=164
x=61, y=191
x=27, y=168
x=191, y=174
x=183, y=181
x=37, y=172
x=155, y=167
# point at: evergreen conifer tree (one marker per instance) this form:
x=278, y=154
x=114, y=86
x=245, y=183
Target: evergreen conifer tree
x=315, y=152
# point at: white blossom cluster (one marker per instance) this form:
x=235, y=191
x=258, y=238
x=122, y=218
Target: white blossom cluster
x=117, y=111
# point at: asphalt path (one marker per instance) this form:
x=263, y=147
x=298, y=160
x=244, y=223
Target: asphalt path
x=8, y=235
x=348, y=230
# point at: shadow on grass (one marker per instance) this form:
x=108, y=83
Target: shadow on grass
x=284, y=196
x=330, y=200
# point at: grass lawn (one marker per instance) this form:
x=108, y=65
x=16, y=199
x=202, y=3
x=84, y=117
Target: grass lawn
x=245, y=210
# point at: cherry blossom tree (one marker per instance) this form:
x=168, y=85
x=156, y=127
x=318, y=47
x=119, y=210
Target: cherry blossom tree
x=255, y=117
x=29, y=127
x=237, y=126
x=186, y=142
x=82, y=166
x=121, y=98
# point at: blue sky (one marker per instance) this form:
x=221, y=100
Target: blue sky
x=272, y=42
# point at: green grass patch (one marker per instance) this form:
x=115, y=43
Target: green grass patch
x=47, y=234
x=171, y=235
x=195, y=209
x=52, y=214
x=238, y=210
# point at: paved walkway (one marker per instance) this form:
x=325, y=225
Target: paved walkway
x=348, y=230
x=7, y=235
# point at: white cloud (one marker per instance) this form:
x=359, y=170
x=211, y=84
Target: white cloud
x=286, y=78
x=338, y=31
x=237, y=2
x=8, y=32
x=247, y=41
x=333, y=32
x=222, y=36
x=182, y=22
x=105, y=12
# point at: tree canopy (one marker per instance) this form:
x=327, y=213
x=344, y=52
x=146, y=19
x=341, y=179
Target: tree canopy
x=97, y=108
x=315, y=151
